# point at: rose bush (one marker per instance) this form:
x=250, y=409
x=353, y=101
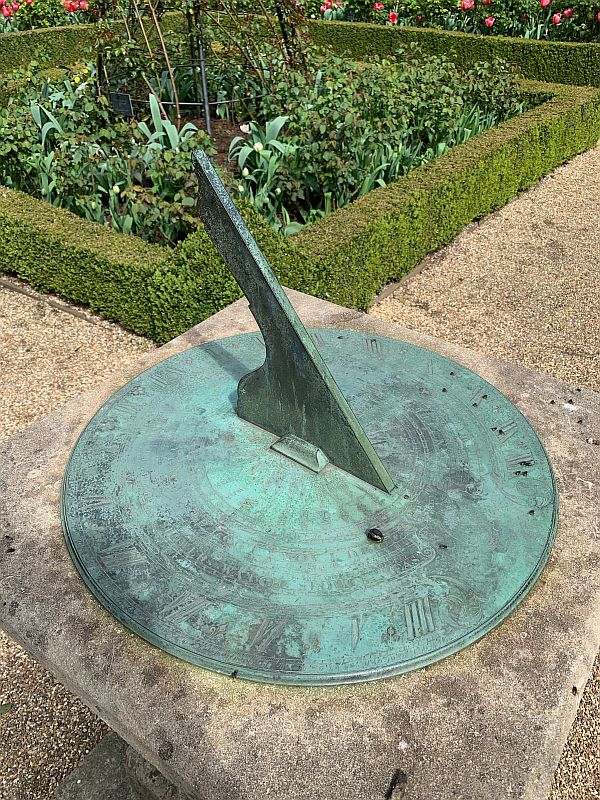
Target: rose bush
x=531, y=19
x=28, y=14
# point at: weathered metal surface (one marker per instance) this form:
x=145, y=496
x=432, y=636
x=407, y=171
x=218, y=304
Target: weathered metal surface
x=194, y=533
x=293, y=392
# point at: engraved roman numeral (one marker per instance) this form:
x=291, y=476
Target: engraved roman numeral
x=519, y=465
x=165, y=375
x=506, y=431
x=183, y=607
x=126, y=405
x=95, y=502
x=373, y=345
x=355, y=632
x=317, y=337
x=266, y=633
x=122, y=556
x=478, y=396
x=419, y=619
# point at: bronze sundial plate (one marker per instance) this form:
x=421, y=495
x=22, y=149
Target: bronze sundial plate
x=211, y=545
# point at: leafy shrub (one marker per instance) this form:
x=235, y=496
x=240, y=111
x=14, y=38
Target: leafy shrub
x=349, y=130
x=62, y=143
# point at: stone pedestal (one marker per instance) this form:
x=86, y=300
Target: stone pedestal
x=489, y=722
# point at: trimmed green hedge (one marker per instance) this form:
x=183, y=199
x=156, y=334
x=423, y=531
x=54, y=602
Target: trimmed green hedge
x=555, y=62
x=55, y=251
x=194, y=283
x=346, y=257
x=54, y=47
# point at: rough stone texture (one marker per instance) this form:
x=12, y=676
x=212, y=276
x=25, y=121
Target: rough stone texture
x=100, y=776
x=148, y=782
x=489, y=722
x=49, y=352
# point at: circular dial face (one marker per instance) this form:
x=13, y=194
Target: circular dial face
x=199, y=537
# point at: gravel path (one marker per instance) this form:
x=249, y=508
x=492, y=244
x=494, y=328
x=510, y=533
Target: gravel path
x=48, y=356
x=524, y=285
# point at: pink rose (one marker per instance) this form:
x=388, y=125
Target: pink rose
x=393, y=18
x=486, y=2
x=83, y=5
x=556, y=18
x=545, y=3
x=245, y=127
x=6, y=12
x=378, y=6
x=568, y=13
x=490, y=21
x=598, y=16
x=467, y=5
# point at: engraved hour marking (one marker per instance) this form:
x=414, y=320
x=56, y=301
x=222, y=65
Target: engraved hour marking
x=126, y=405
x=373, y=346
x=268, y=631
x=165, y=374
x=355, y=632
x=519, y=464
x=183, y=607
x=160, y=379
x=506, y=431
x=96, y=501
x=478, y=396
x=318, y=338
x=122, y=556
x=419, y=620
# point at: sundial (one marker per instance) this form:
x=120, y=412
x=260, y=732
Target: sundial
x=306, y=507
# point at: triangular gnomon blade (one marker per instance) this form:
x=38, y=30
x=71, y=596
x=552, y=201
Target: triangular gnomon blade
x=293, y=392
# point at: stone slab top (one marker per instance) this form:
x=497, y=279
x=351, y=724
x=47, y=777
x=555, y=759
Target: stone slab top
x=489, y=722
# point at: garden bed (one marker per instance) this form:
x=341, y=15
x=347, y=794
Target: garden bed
x=346, y=257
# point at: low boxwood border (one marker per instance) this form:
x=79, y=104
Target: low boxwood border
x=572, y=63
x=61, y=46
x=554, y=62
x=346, y=257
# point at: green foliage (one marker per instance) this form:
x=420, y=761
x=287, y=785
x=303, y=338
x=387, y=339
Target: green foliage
x=60, y=142
x=43, y=14
x=518, y=18
x=346, y=257
x=351, y=128
x=58, y=252
x=554, y=62
x=194, y=282
x=380, y=237
x=55, y=46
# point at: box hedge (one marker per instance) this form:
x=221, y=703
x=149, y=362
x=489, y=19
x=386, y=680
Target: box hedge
x=346, y=257
x=573, y=63
x=554, y=62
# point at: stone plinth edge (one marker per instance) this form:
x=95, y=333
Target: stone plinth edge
x=489, y=722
